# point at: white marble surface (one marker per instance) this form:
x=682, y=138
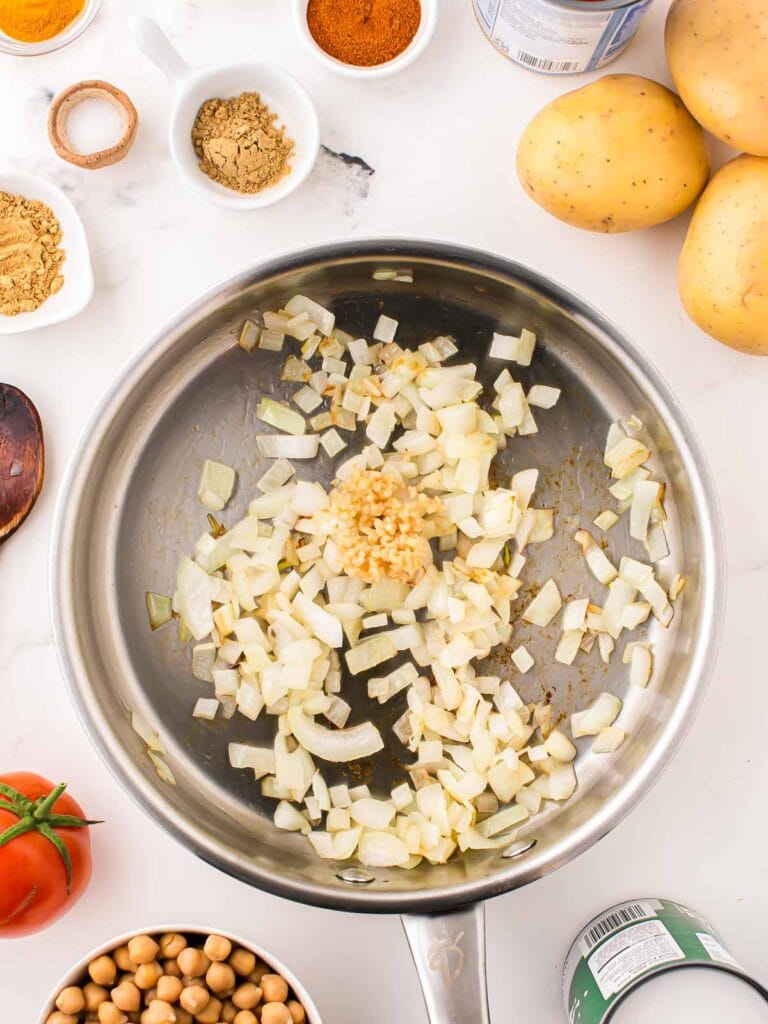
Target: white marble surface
x=441, y=138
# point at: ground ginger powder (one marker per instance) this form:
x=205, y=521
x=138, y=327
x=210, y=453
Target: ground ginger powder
x=30, y=257
x=239, y=145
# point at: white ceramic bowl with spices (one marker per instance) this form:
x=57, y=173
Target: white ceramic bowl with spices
x=77, y=290
x=75, y=28
x=408, y=56
x=281, y=92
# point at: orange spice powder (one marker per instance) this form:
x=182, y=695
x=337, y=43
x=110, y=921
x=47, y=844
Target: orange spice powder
x=363, y=32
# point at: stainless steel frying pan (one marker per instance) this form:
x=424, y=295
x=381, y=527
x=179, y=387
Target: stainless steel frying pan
x=128, y=511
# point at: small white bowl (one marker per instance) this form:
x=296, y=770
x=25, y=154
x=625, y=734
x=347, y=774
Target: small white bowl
x=77, y=289
x=411, y=53
x=76, y=28
x=281, y=92
x=77, y=975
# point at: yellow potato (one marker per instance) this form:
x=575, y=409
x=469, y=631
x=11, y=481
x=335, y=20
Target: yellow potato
x=619, y=154
x=718, y=52
x=723, y=268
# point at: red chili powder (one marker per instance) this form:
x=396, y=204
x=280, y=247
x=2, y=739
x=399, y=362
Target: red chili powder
x=363, y=32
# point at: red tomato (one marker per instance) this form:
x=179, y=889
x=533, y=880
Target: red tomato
x=45, y=853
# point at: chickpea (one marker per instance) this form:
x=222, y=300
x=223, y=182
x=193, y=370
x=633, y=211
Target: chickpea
x=210, y=1015
x=147, y=975
x=193, y=962
x=126, y=996
x=103, y=970
x=142, y=949
x=171, y=969
x=171, y=945
x=123, y=959
x=71, y=1000
x=246, y=1017
x=297, y=1011
x=183, y=1016
x=158, y=1012
x=228, y=1012
x=275, y=1013
x=169, y=988
x=242, y=962
x=220, y=978
x=258, y=973
x=111, y=1014
x=195, y=998
x=274, y=988
x=57, y=1017
x=217, y=947
x=149, y=995
x=247, y=996
x=95, y=995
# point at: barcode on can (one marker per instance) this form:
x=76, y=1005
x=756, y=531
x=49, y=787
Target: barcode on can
x=545, y=64
x=626, y=914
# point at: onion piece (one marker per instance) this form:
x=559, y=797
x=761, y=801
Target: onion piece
x=381, y=849
x=603, y=713
x=608, y=740
x=522, y=659
x=216, y=485
x=322, y=317
x=606, y=520
x=625, y=457
x=277, y=446
x=600, y=566
x=646, y=495
x=385, y=329
x=159, y=609
x=338, y=745
x=568, y=646
x=370, y=653
x=543, y=396
x=287, y=818
x=544, y=606
x=281, y=416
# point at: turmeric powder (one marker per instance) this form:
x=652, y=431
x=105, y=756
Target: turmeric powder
x=34, y=21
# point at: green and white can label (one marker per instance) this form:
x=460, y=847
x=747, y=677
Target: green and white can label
x=632, y=942
x=560, y=37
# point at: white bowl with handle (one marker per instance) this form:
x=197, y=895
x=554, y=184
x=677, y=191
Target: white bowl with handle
x=77, y=290
x=280, y=91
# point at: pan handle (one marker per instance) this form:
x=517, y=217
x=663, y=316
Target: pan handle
x=449, y=953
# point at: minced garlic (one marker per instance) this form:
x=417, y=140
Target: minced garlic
x=381, y=526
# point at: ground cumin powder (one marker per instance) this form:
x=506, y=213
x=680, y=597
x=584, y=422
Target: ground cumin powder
x=239, y=145
x=363, y=32
x=30, y=257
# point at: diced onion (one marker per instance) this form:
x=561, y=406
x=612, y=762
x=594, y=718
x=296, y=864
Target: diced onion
x=282, y=446
x=340, y=745
x=545, y=606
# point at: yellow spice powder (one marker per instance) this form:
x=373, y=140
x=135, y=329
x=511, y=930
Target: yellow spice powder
x=34, y=21
x=380, y=526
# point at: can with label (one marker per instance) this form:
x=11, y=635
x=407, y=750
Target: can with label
x=657, y=961
x=560, y=37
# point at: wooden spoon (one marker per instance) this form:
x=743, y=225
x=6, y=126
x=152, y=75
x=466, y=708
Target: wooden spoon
x=22, y=458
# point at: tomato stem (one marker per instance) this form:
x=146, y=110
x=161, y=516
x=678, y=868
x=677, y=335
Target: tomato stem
x=45, y=806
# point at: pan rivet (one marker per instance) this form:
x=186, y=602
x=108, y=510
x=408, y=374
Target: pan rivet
x=356, y=876
x=518, y=849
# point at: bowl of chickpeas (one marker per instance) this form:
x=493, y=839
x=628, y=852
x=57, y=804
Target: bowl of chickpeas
x=181, y=975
